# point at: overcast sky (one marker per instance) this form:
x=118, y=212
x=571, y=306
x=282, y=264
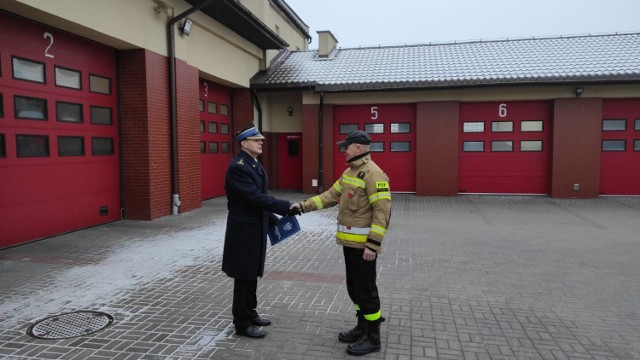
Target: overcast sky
x=393, y=22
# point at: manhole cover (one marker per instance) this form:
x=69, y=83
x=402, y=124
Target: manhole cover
x=70, y=325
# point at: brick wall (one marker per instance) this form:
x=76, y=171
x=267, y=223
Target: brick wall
x=189, y=181
x=145, y=134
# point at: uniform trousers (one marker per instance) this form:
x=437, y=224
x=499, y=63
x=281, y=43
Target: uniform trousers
x=244, y=302
x=361, y=281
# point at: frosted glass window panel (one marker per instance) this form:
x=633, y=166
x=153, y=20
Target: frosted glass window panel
x=68, y=78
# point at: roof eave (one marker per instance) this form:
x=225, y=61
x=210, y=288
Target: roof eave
x=238, y=18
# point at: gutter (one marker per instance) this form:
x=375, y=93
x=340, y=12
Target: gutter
x=173, y=107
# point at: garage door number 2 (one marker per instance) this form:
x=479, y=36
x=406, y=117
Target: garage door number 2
x=50, y=37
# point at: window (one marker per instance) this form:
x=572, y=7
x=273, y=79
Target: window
x=68, y=78
x=400, y=146
x=3, y=147
x=201, y=105
x=636, y=145
x=473, y=127
x=636, y=127
x=224, y=147
x=201, y=126
x=531, y=125
x=502, y=126
x=614, y=145
x=99, y=84
x=69, y=112
x=203, y=147
x=502, y=145
x=101, y=115
x=70, y=146
x=32, y=145
x=400, y=128
x=614, y=125
x=374, y=128
x=347, y=128
x=1, y=106
x=293, y=148
x=224, y=109
x=224, y=129
x=24, y=69
x=213, y=128
x=473, y=146
x=212, y=108
x=376, y=146
x=531, y=145
x=101, y=146
x=213, y=147
x=30, y=108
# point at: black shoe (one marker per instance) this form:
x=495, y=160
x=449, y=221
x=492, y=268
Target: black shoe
x=258, y=321
x=364, y=346
x=251, y=331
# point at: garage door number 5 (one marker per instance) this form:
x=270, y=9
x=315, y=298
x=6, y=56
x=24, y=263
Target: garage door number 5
x=374, y=112
x=502, y=110
x=50, y=37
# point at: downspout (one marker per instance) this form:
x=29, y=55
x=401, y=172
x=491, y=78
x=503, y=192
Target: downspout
x=173, y=107
x=320, y=145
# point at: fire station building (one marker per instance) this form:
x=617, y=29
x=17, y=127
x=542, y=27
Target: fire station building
x=550, y=116
x=127, y=109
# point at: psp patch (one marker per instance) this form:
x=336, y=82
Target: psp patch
x=382, y=186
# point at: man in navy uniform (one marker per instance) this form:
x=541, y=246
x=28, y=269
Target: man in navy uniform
x=251, y=210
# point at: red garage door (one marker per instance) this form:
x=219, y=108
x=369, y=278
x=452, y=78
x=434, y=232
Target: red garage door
x=59, y=155
x=620, y=158
x=505, y=147
x=392, y=130
x=215, y=136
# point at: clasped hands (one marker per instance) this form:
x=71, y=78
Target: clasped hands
x=295, y=209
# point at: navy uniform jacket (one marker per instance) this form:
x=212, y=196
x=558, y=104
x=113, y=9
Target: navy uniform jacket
x=250, y=210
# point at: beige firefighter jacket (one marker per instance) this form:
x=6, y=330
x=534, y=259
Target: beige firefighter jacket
x=365, y=204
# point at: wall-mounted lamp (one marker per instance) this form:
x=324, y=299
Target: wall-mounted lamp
x=579, y=92
x=290, y=110
x=186, y=27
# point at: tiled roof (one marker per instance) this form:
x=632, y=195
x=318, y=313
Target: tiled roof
x=589, y=58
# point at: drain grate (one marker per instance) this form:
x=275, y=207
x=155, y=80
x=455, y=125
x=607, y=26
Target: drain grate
x=70, y=325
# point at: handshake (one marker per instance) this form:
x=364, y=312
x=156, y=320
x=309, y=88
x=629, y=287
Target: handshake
x=295, y=209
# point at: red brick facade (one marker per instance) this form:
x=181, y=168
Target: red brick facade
x=146, y=135
x=188, y=137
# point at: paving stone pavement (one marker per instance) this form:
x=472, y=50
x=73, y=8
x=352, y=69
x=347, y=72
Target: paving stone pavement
x=467, y=277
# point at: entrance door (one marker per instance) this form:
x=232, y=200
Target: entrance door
x=290, y=161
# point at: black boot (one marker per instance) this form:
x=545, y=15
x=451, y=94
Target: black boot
x=349, y=336
x=368, y=343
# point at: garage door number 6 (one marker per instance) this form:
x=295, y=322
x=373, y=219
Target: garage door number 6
x=502, y=110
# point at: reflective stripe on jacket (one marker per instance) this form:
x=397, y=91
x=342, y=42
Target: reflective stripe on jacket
x=365, y=204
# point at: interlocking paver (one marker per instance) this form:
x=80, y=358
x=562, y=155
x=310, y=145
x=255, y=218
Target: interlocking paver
x=467, y=277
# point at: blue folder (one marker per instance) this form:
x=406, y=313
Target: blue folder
x=284, y=228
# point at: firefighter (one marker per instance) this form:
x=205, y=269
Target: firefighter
x=363, y=218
